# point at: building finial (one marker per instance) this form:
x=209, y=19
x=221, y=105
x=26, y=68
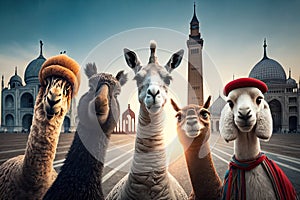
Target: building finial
x=16, y=70
x=232, y=76
x=290, y=73
x=194, y=8
x=41, y=47
x=265, y=48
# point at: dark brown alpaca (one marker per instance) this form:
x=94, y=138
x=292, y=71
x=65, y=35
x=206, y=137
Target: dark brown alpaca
x=193, y=129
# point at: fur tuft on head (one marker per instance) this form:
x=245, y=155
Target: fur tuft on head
x=228, y=129
x=121, y=77
x=64, y=67
x=90, y=69
x=152, y=44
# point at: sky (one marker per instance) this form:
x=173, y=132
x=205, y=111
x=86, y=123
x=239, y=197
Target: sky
x=97, y=31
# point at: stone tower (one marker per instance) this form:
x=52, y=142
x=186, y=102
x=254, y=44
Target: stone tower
x=195, y=79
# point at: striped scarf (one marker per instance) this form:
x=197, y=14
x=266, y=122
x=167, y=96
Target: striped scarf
x=235, y=184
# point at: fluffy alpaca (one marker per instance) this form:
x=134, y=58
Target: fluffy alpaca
x=98, y=112
x=193, y=129
x=246, y=119
x=29, y=176
x=148, y=177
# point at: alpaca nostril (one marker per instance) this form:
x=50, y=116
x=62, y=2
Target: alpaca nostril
x=244, y=116
x=51, y=102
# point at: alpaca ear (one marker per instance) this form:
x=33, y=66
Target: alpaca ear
x=207, y=103
x=122, y=77
x=132, y=60
x=90, y=69
x=264, y=122
x=228, y=128
x=174, y=61
x=174, y=105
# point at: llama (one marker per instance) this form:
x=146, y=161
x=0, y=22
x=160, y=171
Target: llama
x=193, y=129
x=148, y=177
x=98, y=112
x=246, y=119
x=29, y=176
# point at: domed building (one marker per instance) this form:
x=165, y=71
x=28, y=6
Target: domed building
x=18, y=100
x=283, y=95
x=215, y=113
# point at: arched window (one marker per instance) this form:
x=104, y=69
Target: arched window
x=9, y=101
x=26, y=122
x=26, y=100
x=276, y=112
x=66, y=124
x=9, y=120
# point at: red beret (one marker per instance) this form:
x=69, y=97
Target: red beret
x=245, y=82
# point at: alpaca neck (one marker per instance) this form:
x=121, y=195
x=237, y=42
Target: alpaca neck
x=204, y=177
x=149, y=152
x=42, y=143
x=246, y=146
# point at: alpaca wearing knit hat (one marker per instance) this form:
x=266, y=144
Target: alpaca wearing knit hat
x=30, y=175
x=246, y=119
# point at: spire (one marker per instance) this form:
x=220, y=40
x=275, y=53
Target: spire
x=290, y=73
x=128, y=106
x=194, y=19
x=16, y=70
x=41, y=47
x=265, y=48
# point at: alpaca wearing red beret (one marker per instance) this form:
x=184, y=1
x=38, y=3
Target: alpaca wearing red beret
x=246, y=119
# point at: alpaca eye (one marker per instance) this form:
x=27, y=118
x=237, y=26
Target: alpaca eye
x=230, y=103
x=204, y=114
x=258, y=100
x=179, y=117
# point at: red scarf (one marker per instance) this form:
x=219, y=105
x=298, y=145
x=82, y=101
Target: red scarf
x=234, y=182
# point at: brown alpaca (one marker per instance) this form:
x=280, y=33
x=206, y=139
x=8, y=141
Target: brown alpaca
x=29, y=176
x=193, y=129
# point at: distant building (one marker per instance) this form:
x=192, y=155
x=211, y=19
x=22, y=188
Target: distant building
x=215, y=113
x=126, y=125
x=18, y=100
x=283, y=95
x=195, y=79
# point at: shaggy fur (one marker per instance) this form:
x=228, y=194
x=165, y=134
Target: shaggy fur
x=246, y=141
x=29, y=176
x=98, y=112
x=193, y=129
x=61, y=66
x=148, y=177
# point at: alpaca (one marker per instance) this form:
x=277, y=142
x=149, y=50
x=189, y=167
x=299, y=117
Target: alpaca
x=246, y=119
x=149, y=177
x=98, y=112
x=193, y=129
x=29, y=176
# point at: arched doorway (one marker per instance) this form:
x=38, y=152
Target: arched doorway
x=26, y=122
x=293, y=124
x=9, y=120
x=9, y=101
x=26, y=100
x=67, y=124
x=276, y=112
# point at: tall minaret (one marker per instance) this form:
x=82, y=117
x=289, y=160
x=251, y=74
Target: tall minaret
x=195, y=79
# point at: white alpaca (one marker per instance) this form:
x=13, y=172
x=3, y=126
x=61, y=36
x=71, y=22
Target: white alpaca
x=149, y=177
x=246, y=119
x=30, y=175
